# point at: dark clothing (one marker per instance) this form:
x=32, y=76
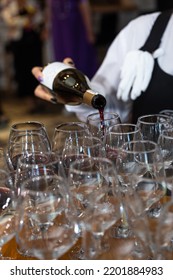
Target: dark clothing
x=163, y=5
x=27, y=52
x=159, y=94
x=69, y=36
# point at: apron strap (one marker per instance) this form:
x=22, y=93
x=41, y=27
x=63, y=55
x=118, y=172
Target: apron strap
x=154, y=39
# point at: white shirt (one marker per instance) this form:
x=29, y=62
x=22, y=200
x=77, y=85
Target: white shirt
x=107, y=78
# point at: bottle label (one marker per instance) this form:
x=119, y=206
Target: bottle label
x=50, y=72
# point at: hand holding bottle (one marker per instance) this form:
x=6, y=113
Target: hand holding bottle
x=41, y=91
x=68, y=85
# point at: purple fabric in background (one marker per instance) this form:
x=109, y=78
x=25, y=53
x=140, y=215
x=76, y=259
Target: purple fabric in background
x=69, y=36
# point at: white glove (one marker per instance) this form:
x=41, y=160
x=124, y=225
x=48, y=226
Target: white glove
x=136, y=73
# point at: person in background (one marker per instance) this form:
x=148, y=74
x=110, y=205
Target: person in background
x=136, y=75
x=25, y=22
x=70, y=26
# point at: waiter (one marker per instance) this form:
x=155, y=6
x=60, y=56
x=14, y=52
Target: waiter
x=136, y=76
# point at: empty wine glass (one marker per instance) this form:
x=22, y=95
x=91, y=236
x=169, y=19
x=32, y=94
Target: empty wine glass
x=165, y=142
x=143, y=245
x=37, y=164
x=95, y=190
x=33, y=165
x=68, y=131
x=164, y=233
x=151, y=191
x=7, y=209
x=117, y=135
x=167, y=112
x=46, y=226
x=143, y=159
x=81, y=147
x=152, y=125
x=98, y=126
x=29, y=126
x=27, y=137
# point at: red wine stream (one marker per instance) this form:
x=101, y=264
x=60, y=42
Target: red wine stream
x=101, y=112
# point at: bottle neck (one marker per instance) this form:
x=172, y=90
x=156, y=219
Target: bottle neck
x=88, y=97
x=93, y=99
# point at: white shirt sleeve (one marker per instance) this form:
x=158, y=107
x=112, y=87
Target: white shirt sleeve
x=107, y=78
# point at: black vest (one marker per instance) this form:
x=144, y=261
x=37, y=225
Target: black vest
x=159, y=94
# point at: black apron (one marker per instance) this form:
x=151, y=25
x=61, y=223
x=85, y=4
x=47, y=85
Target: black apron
x=159, y=94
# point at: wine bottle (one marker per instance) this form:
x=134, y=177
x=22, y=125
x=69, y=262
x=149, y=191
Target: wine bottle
x=70, y=86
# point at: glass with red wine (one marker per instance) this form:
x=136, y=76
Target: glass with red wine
x=99, y=122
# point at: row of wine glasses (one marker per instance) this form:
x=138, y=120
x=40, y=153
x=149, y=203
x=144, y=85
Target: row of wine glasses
x=100, y=198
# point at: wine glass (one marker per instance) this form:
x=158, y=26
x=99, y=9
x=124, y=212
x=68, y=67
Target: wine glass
x=7, y=209
x=30, y=126
x=141, y=234
x=27, y=137
x=81, y=147
x=46, y=225
x=37, y=164
x=138, y=159
x=164, y=233
x=95, y=189
x=165, y=142
x=98, y=126
x=68, y=131
x=33, y=165
x=151, y=191
x=117, y=135
x=167, y=112
x=152, y=125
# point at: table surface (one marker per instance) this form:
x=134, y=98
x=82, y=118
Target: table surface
x=119, y=249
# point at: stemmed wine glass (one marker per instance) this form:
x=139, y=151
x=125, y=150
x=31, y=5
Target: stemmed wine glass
x=150, y=190
x=27, y=137
x=164, y=229
x=95, y=189
x=7, y=209
x=81, y=147
x=66, y=132
x=46, y=225
x=167, y=112
x=141, y=234
x=115, y=137
x=98, y=126
x=138, y=159
x=165, y=142
x=152, y=125
x=33, y=165
x=37, y=164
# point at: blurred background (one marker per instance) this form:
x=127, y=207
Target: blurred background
x=31, y=33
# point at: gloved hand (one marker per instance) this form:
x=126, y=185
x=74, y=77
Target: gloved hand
x=136, y=73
